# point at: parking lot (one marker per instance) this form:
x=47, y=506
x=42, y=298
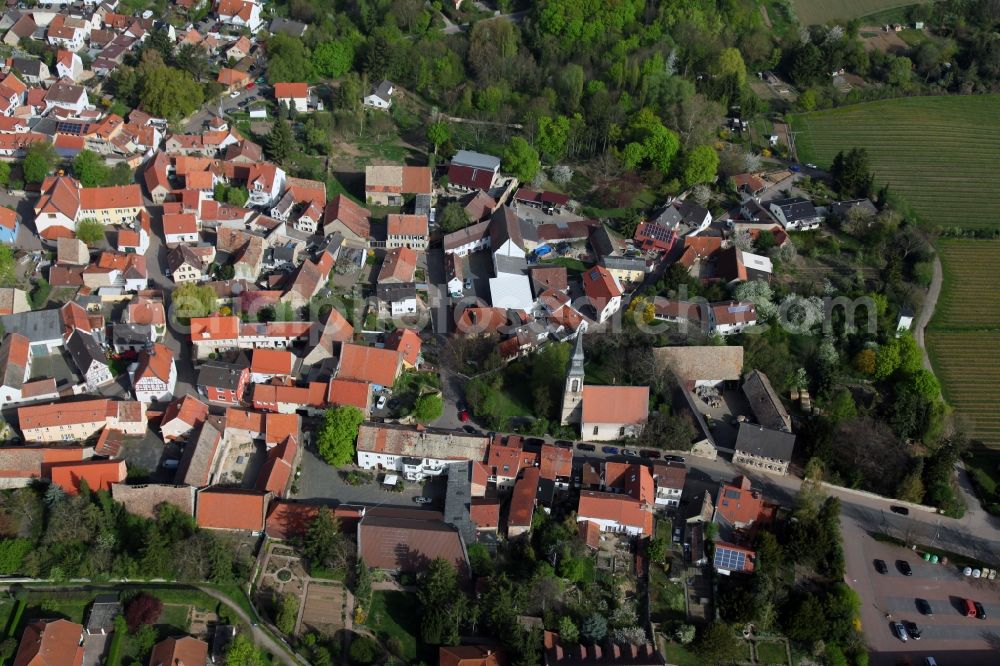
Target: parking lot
x=947, y=635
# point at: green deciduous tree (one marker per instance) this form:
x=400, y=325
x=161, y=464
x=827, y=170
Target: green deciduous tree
x=39, y=160
x=651, y=142
x=521, y=159
x=438, y=134
x=167, y=92
x=288, y=60
x=336, y=437
x=4, y=174
x=552, y=136
x=729, y=63
x=718, y=644
x=90, y=231
x=89, y=168
x=193, y=300
x=12, y=554
x=453, y=217
x=700, y=165
x=333, y=59
x=242, y=652
x=428, y=408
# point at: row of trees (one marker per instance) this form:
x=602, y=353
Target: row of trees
x=49, y=534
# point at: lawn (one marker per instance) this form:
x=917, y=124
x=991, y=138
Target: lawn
x=395, y=615
x=771, y=653
x=818, y=12
x=680, y=655
x=938, y=153
x=573, y=266
x=666, y=598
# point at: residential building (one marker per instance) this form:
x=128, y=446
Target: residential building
x=683, y=218
x=80, y=420
x=380, y=97
x=696, y=366
x=737, y=505
x=182, y=651
x=669, y=479
x=69, y=65
x=473, y=171
x=409, y=231
x=616, y=513
x=731, y=317
x=240, y=14
x=556, y=465
x=66, y=95
x=347, y=218
x=182, y=417
x=604, y=292
x=379, y=367
x=154, y=377
x=417, y=454
x=223, y=382
x=470, y=239
x=266, y=364
x=795, y=213
x=522, y=503
x=98, y=474
x=400, y=298
x=763, y=448
x=386, y=185
x=90, y=359
x=407, y=342
x=398, y=267
x=186, y=264
x=50, y=643
x=180, y=228
x=10, y=222
x=292, y=96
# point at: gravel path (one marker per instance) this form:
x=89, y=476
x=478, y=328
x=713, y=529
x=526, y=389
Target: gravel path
x=927, y=311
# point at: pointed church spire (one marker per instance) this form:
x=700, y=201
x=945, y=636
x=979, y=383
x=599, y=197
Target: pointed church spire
x=576, y=364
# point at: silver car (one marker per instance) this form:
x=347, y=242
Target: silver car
x=900, y=631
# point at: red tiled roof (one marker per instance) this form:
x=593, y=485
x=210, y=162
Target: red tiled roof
x=485, y=513
x=407, y=342
x=368, y=364
x=189, y=410
x=286, y=520
x=99, y=474
x=291, y=90
x=556, y=461
x=621, y=509
x=50, y=643
x=471, y=655
x=348, y=392
x=119, y=196
x=215, y=328
x=738, y=503
x=399, y=265
x=599, y=284
x=272, y=362
x=353, y=216
x=229, y=509
x=522, y=502
x=183, y=651
x=615, y=404
x=156, y=363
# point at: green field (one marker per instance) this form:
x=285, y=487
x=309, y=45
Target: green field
x=970, y=300
x=939, y=153
x=818, y=12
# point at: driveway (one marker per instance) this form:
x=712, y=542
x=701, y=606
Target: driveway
x=93, y=649
x=947, y=635
x=320, y=481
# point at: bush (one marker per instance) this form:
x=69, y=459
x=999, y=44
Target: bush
x=143, y=609
x=363, y=650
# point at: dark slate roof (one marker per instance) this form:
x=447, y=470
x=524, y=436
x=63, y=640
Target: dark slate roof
x=220, y=375
x=288, y=27
x=841, y=208
x=131, y=334
x=795, y=208
x=760, y=441
x=476, y=160
x=764, y=402
x=393, y=293
x=37, y=325
x=85, y=351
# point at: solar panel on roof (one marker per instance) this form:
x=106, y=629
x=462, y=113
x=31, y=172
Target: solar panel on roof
x=729, y=559
x=76, y=129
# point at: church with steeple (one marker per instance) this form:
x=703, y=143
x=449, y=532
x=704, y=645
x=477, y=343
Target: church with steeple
x=605, y=413
x=573, y=393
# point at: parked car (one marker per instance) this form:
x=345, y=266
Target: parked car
x=534, y=441
x=380, y=404
x=586, y=447
x=913, y=630
x=564, y=444
x=610, y=450
x=234, y=94
x=471, y=430
x=422, y=500
x=881, y=567
x=924, y=607
x=904, y=567
x=980, y=611
x=901, y=510
x=970, y=607
x=795, y=168
x=678, y=532
x=679, y=459
x=463, y=416
x=468, y=283
x=251, y=86
x=630, y=452
x=900, y=631
x=649, y=453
